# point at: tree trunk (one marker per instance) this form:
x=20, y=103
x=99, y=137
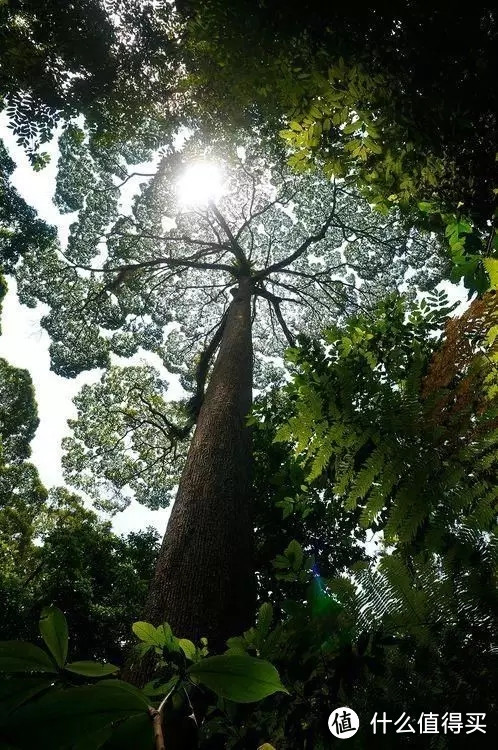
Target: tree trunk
x=204, y=582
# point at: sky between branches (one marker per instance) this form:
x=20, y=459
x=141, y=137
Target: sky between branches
x=25, y=344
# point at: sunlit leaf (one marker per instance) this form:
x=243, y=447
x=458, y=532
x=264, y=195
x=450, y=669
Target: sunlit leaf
x=243, y=679
x=53, y=628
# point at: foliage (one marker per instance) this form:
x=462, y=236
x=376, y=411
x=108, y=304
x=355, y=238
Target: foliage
x=54, y=550
x=69, y=557
x=113, y=62
x=360, y=100
x=20, y=230
x=21, y=492
x=124, y=438
x=353, y=93
x=111, y=713
x=164, y=283
x=291, y=510
x=407, y=442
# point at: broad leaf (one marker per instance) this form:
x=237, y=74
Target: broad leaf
x=145, y=631
x=188, y=648
x=294, y=554
x=243, y=679
x=57, y=718
x=135, y=733
x=95, y=740
x=265, y=616
x=17, y=656
x=161, y=637
x=53, y=628
x=161, y=688
x=17, y=690
x=91, y=668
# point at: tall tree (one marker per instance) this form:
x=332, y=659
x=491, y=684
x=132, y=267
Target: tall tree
x=271, y=253
x=387, y=636
x=22, y=494
x=396, y=632
x=65, y=555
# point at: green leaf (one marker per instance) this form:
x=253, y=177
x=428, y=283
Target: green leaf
x=243, y=679
x=17, y=690
x=426, y=207
x=456, y=229
x=491, y=266
x=161, y=688
x=145, y=632
x=264, y=618
x=17, y=656
x=294, y=554
x=53, y=628
x=188, y=648
x=237, y=645
x=351, y=127
x=293, y=125
x=161, y=637
x=91, y=668
x=283, y=434
x=55, y=719
x=133, y=734
x=95, y=740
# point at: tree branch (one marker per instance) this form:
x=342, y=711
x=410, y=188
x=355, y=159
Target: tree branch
x=157, y=725
x=168, y=262
x=275, y=301
x=236, y=248
x=302, y=248
x=117, y=187
x=195, y=403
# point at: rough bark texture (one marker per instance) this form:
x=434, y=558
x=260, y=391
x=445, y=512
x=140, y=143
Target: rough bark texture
x=204, y=581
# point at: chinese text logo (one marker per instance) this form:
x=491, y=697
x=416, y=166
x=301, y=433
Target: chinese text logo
x=343, y=722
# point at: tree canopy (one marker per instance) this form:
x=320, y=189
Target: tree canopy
x=112, y=62
x=160, y=277
x=390, y=97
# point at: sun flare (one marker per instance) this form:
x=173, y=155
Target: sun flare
x=199, y=184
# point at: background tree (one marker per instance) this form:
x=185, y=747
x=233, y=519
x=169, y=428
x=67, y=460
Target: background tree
x=211, y=272
x=74, y=561
x=115, y=63
x=20, y=229
x=21, y=492
x=53, y=550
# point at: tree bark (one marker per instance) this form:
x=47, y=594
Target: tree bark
x=204, y=584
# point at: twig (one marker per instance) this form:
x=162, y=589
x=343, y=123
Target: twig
x=157, y=725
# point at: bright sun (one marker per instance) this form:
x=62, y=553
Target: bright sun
x=199, y=184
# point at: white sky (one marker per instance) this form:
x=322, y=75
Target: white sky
x=25, y=344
